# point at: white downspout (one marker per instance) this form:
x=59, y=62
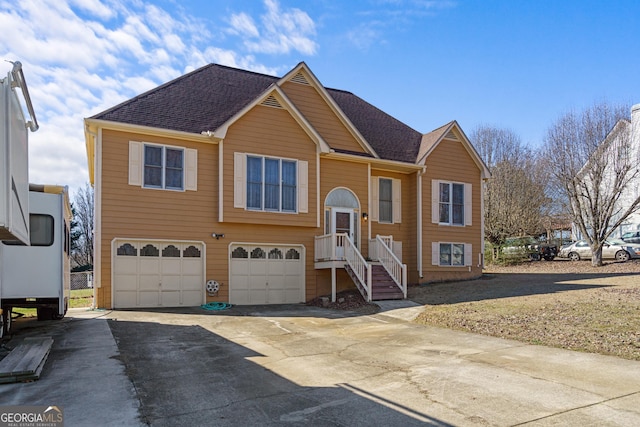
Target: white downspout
x=419, y=221
x=97, y=217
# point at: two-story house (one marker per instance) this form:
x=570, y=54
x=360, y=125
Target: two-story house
x=619, y=150
x=233, y=186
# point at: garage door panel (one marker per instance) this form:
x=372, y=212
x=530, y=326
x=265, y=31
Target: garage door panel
x=266, y=274
x=258, y=296
x=257, y=282
x=257, y=267
x=171, y=283
x=149, y=283
x=127, y=282
x=148, y=266
x=126, y=298
x=151, y=274
x=148, y=299
x=192, y=283
x=293, y=295
x=275, y=268
x=170, y=299
x=171, y=266
x=127, y=265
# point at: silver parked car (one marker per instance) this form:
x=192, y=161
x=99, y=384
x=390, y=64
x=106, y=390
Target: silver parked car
x=612, y=249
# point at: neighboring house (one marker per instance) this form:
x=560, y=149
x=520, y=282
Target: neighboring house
x=274, y=190
x=623, y=131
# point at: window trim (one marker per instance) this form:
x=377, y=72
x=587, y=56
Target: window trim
x=281, y=184
x=396, y=200
x=164, y=168
x=467, y=254
x=137, y=166
x=467, y=203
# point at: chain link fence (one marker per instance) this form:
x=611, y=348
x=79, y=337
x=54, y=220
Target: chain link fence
x=82, y=280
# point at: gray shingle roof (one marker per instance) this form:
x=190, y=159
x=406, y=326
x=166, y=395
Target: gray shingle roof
x=207, y=97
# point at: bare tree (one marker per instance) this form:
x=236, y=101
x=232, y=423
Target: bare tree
x=82, y=226
x=591, y=157
x=514, y=199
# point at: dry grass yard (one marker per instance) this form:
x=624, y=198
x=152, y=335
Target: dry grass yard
x=555, y=303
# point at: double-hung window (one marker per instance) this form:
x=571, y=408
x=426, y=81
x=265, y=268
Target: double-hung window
x=452, y=254
x=163, y=167
x=451, y=203
x=271, y=184
x=385, y=200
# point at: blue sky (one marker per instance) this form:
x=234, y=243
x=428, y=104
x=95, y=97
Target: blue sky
x=511, y=64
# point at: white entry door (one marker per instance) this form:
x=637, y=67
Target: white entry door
x=343, y=221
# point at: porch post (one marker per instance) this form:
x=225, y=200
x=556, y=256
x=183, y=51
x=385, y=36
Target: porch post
x=333, y=283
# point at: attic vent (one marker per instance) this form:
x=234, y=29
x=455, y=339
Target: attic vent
x=452, y=136
x=300, y=78
x=271, y=101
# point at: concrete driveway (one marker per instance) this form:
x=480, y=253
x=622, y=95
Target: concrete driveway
x=298, y=365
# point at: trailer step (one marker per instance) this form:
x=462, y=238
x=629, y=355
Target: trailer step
x=26, y=361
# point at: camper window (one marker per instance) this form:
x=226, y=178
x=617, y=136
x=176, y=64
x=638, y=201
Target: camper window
x=41, y=231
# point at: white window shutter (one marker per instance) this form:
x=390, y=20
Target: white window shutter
x=191, y=169
x=375, y=198
x=468, y=207
x=435, y=201
x=303, y=186
x=135, y=163
x=435, y=253
x=468, y=253
x=397, y=201
x=239, y=189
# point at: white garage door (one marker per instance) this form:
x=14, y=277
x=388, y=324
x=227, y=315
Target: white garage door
x=157, y=274
x=266, y=274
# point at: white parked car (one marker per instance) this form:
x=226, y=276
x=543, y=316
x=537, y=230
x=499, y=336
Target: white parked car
x=612, y=249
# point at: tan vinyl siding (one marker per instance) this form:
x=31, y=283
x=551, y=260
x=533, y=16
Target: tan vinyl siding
x=405, y=231
x=269, y=132
x=451, y=162
x=321, y=117
x=134, y=212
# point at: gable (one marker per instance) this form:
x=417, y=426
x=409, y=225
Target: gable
x=321, y=117
x=450, y=135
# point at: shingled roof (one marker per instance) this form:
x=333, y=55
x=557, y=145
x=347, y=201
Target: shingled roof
x=207, y=97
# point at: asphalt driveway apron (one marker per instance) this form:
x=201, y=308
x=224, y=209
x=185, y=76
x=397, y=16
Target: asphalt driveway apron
x=298, y=365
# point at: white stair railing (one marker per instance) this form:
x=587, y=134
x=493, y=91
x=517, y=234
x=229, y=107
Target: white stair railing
x=359, y=265
x=396, y=269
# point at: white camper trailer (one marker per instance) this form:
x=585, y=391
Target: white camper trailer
x=38, y=275
x=34, y=220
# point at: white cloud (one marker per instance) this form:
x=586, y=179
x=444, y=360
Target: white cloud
x=81, y=57
x=282, y=31
x=243, y=25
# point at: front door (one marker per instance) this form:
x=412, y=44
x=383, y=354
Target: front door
x=343, y=221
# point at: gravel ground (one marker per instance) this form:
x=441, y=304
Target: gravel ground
x=557, y=303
